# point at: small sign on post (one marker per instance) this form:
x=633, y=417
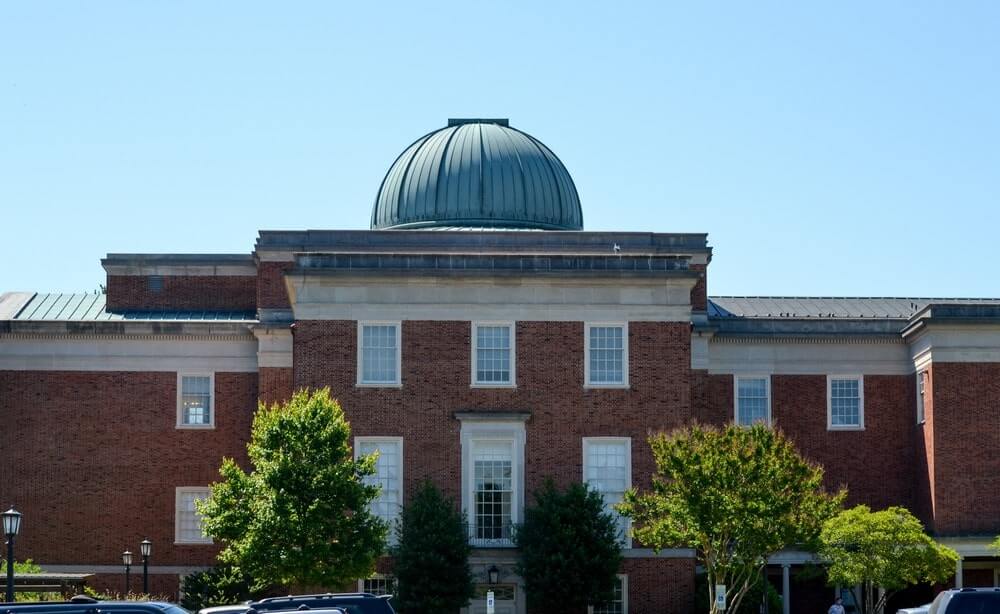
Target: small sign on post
x=720, y=597
x=490, y=603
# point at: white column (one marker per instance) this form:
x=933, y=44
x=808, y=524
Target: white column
x=786, y=590
x=958, y=573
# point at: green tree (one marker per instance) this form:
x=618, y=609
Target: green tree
x=570, y=550
x=300, y=518
x=735, y=496
x=25, y=566
x=220, y=585
x=887, y=549
x=996, y=545
x=432, y=557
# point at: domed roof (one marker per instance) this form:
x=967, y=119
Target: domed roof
x=477, y=173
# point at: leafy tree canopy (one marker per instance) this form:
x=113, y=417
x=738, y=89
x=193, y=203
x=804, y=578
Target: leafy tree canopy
x=432, y=558
x=887, y=549
x=570, y=550
x=735, y=496
x=300, y=518
x=220, y=585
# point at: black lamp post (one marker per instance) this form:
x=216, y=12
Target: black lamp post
x=494, y=574
x=145, y=549
x=11, y=527
x=127, y=561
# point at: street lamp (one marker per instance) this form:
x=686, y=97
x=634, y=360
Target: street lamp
x=127, y=561
x=494, y=574
x=11, y=527
x=145, y=549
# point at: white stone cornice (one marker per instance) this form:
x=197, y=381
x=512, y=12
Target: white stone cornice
x=796, y=356
x=275, y=347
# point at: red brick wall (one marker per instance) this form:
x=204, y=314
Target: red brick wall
x=874, y=464
x=660, y=586
x=92, y=460
x=699, y=294
x=271, y=290
x=275, y=384
x=711, y=398
x=923, y=485
x=183, y=292
x=435, y=370
x=966, y=438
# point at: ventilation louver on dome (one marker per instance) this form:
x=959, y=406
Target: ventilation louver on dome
x=477, y=173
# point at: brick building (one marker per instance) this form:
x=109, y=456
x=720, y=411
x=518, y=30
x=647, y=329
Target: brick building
x=478, y=337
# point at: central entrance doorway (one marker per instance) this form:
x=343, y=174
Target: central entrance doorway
x=504, y=599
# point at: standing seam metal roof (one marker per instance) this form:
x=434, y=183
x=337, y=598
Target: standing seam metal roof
x=85, y=307
x=842, y=307
x=478, y=173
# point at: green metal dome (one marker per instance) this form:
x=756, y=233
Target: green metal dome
x=477, y=173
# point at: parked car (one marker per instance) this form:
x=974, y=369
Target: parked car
x=967, y=601
x=920, y=609
x=350, y=603
x=82, y=604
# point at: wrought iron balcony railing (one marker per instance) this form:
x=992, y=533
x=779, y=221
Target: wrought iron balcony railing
x=491, y=534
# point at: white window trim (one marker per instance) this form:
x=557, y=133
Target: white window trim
x=376, y=576
x=391, y=538
x=586, y=355
x=512, y=326
x=486, y=431
x=861, y=403
x=736, y=394
x=922, y=377
x=587, y=441
x=180, y=400
x=399, y=354
x=624, y=579
x=177, y=517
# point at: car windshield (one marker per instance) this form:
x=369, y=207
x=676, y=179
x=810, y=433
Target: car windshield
x=975, y=603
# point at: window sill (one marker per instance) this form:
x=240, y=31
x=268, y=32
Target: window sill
x=378, y=385
x=606, y=387
x=501, y=386
x=845, y=428
x=195, y=427
x=193, y=543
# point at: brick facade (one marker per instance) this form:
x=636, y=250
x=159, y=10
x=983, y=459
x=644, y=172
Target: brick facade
x=182, y=293
x=271, y=290
x=93, y=460
x=275, y=384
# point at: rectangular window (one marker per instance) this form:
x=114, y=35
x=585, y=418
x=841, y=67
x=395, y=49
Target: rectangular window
x=606, y=360
x=846, y=402
x=378, y=584
x=493, y=354
x=378, y=353
x=607, y=468
x=493, y=491
x=753, y=400
x=195, y=400
x=921, y=388
x=187, y=521
x=388, y=475
x=619, y=604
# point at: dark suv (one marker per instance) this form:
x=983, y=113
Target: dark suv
x=967, y=601
x=86, y=605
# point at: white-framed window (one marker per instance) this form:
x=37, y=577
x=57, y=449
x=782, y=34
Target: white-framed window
x=605, y=361
x=195, y=400
x=378, y=584
x=845, y=396
x=619, y=604
x=379, y=353
x=921, y=395
x=752, y=399
x=607, y=468
x=493, y=354
x=388, y=476
x=492, y=477
x=187, y=520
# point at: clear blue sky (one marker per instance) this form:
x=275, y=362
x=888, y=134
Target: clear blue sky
x=827, y=148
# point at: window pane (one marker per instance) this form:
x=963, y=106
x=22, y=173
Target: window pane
x=751, y=400
x=493, y=354
x=189, y=527
x=607, y=353
x=387, y=474
x=606, y=471
x=379, y=585
x=617, y=604
x=845, y=402
x=494, y=488
x=196, y=400
x=378, y=354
